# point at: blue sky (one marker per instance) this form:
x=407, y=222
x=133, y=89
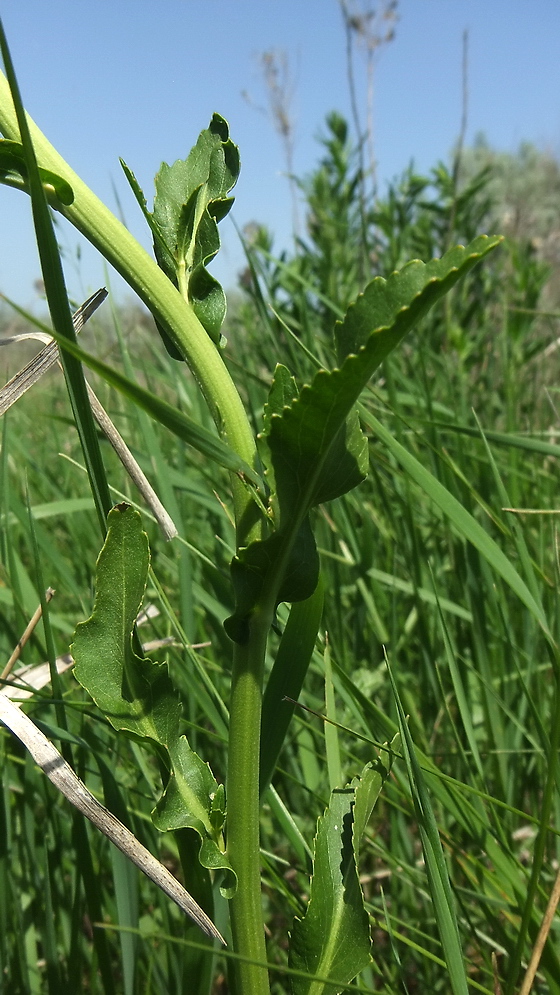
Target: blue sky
x=110, y=78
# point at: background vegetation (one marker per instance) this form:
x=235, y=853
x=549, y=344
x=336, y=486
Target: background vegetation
x=472, y=395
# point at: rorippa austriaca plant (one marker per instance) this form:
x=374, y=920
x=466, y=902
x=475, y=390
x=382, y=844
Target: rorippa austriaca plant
x=309, y=449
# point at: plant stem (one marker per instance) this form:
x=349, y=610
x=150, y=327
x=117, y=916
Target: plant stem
x=94, y=220
x=243, y=838
x=90, y=216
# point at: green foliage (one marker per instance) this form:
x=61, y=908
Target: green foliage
x=313, y=447
x=329, y=255
x=286, y=679
x=417, y=557
x=523, y=186
x=191, y=198
x=136, y=695
x=333, y=939
x=436, y=870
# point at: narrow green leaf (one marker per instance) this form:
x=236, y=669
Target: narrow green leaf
x=332, y=739
x=527, y=442
x=66, y=506
x=125, y=876
x=286, y=679
x=461, y=519
x=438, y=877
x=139, y=194
x=57, y=299
x=333, y=939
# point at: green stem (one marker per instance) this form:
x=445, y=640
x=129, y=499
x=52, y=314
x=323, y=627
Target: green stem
x=243, y=838
x=90, y=216
x=94, y=220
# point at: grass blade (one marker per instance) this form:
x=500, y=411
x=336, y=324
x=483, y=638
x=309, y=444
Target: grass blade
x=57, y=298
x=436, y=869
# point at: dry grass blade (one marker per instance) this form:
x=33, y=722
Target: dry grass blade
x=541, y=938
x=136, y=474
x=63, y=777
x=32, y=677
x=497, y=986
x=28, y=631
x=25, y=681
x=44, y=360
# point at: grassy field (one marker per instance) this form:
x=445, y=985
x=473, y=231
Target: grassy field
x=420, y=566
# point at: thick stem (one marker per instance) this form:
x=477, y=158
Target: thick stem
x=243, y=838
x=91, y=217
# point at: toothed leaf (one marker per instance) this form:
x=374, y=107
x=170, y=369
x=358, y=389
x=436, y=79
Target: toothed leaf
x=333, y=939
x=136, y=695
x=312, y=446
x=191, y=198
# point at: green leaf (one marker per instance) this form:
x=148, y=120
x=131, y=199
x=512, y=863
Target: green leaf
x=436, y=869
x=286, y=679
x=218, y=808
x=312, y=445
x=315, y=453
x=463, y=521
x=191, y=198
x=190, y=780
x=14, y=173
x=136, y=695
x=527, y=442
x=390, y=308
x=317, y=449
x=283, y=390
x=162, y=251
x=143, y=204
x=291, y=570
x=333, y=939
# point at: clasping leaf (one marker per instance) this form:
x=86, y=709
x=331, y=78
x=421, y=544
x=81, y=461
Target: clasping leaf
x=312, y=445
x=333, y=939
x=136, y=695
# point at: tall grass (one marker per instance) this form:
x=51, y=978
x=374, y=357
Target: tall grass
x=471, y=399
